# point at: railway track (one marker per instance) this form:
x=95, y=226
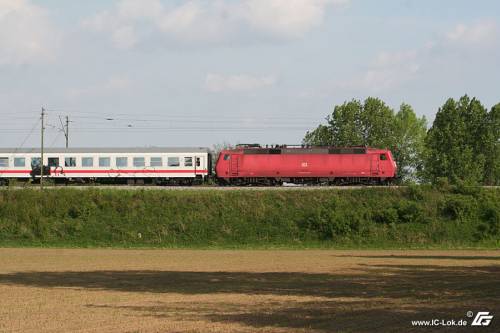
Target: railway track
x=285, y=187
x=211, y=188
x=199, y=188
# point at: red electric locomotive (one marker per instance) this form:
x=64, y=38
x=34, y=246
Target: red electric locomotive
x=253, y=165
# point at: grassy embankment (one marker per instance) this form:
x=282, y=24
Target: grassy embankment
x=412, y=217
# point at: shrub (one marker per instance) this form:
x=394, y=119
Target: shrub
x=490, y=225
x=386, y=216
x=457, y=207
x=410, y=212
x=415, y=192
x=442, y=184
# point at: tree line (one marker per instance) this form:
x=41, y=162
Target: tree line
x=462, y=146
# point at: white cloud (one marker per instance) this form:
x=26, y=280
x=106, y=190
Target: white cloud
x=388, y=70
x=122, y=34
x=392, y=69
x=26, y=33
x=139, y=9
x=132, y=20
x=212, y=22
x=110, y=86
x=238, y=83
x=125, y=36
x=287, y=18
x=195, y=22
x=479, y=33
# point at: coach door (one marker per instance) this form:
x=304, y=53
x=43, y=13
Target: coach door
x=374, y=164
x=198, y=164
x=234, y=162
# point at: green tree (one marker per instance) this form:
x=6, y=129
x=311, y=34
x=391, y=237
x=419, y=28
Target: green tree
x=455, y=144
x=492, y=147
x=355, y=124
x=321, y=136
x=345, y=124
x=409, y=143
x=372, y=123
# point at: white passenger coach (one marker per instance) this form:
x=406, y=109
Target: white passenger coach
x=161, y=166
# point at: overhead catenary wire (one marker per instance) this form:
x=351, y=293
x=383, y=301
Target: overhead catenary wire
x=118, y=122
x=27, y=136
x=145, y=116
x=106, y=113
x=55, y=139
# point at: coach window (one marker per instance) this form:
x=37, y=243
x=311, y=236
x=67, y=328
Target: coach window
x=70, y=161
x=226, y=157
x=173, y=162
x=188, y=161
x=87, y=162
x=139, y=162
x=155, y=162
x=19, y=162
x=383, y=157
x=104, y=162
x=35, y=162
x=4, y=162
x=121, y=162
x=53, y=161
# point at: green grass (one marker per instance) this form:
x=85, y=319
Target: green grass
x=411, y=217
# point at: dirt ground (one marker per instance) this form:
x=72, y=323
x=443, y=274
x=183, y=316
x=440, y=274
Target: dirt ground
x=102, y=290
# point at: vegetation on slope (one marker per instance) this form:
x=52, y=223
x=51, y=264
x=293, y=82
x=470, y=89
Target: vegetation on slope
x=416, y=216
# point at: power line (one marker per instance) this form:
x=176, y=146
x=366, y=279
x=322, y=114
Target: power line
x=29, y=134
x=104, y=114
x=65, y=129
x=55, y=139
x=147, y=130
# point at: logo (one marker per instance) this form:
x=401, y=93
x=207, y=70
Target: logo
x=482, y=319
x=304, y=164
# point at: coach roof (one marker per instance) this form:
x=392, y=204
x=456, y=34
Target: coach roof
x=122, y=150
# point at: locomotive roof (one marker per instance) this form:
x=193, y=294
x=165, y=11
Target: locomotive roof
x=106, y=150
x=305, y=150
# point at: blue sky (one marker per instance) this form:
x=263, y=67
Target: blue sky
x=198, y=73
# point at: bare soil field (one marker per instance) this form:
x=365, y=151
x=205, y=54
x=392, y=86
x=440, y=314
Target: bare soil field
x=107, y=290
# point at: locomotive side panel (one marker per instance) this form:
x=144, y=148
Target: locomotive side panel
x=305, y=164
x=288, y=165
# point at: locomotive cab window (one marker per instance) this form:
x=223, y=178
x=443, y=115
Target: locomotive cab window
x=87, y=162
x=70, y=162
x=35, y=162
x=188, y=161
x=383, y=157
x=4, y=162
x=156, y=162
x=19, y=162
x=121, y=162
x=226, y=157
x=139, y=162
x=104, y=162
x=173, y=162
x=53, y=161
